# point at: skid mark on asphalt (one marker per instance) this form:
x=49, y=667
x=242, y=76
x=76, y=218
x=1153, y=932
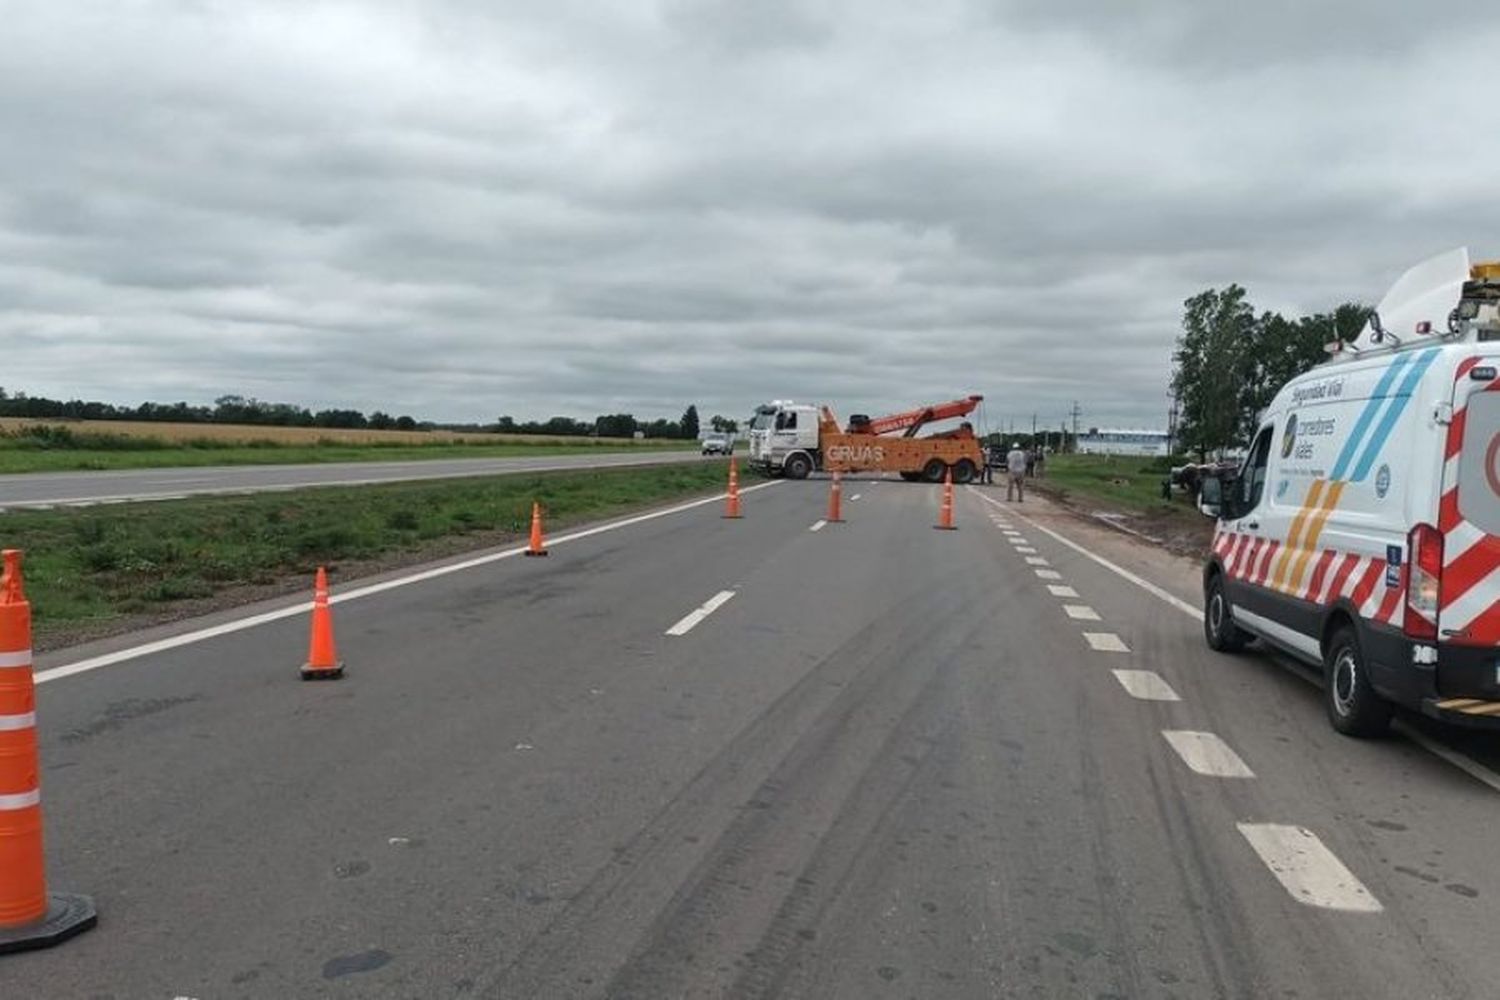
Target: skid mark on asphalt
x=1309, y=871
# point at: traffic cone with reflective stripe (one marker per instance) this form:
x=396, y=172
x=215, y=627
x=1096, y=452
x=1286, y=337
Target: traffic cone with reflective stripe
x=323, y=663
x=732, y=505
x=536, y=548
x=945, y=513
x=30, y=917
x=836, y=501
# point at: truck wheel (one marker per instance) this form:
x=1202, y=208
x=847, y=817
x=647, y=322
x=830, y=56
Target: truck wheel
x=912, y=477
x=934, y=470
x=963, y=471
x=1223, y=635
x=1353, y=706
x=797, y=466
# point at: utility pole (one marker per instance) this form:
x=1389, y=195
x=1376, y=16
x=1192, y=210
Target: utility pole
x=1172, y=425
x=1033, y=430
x=1075, y=413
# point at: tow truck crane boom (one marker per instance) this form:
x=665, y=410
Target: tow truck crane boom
x=912, y=421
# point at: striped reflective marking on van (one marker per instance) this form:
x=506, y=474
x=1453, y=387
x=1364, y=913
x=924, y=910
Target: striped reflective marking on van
x=1294, y=537
x=1393, y=411
x=1315, y=531
x=1367, y=416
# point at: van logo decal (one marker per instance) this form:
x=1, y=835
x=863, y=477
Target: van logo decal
x=1393, y=566
x=1289, y=436
x=1383, y=481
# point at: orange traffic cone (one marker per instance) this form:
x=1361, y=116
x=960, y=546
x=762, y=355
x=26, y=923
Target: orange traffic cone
x=323, y=664
x=945, y=513
x=536, y=548
x=836, y=501
x=732, y=505
x=30, y=917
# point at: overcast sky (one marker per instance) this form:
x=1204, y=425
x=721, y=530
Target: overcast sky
x=466, y=209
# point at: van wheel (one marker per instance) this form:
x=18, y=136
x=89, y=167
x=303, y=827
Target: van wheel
x=963, y=471
x=1223, y=635
x=797, y=466
x=1353, y=706
x=934, y=470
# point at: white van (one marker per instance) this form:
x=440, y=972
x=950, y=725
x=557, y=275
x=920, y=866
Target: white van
x=1362, y=532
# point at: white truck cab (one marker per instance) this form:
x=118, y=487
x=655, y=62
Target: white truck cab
x=783, y=430
x=1362, y=532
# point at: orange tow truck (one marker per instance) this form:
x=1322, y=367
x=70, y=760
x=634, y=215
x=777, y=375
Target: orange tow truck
x=796, y=440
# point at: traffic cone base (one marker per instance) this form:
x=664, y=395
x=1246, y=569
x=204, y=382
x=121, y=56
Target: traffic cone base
x=68, y=914
x=312, y=673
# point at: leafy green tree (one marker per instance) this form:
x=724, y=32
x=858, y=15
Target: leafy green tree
x=1211, y=362
x=689, y=423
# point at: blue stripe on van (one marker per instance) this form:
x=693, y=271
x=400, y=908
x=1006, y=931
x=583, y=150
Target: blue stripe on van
x=1367, y=416
x=1393, y=413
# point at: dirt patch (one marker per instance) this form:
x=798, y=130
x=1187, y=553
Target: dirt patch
x=1179, y=529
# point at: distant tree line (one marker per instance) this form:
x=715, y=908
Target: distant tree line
x=1230, y=362
x=256, y=412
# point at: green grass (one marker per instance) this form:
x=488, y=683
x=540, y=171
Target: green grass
x=1130, y=483
x=19, y=454
x=99, y=563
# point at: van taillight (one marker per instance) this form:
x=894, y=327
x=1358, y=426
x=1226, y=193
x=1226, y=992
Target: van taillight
x=1424, y=570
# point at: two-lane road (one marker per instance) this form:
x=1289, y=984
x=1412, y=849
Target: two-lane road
x=694, y=757
x=62, y=489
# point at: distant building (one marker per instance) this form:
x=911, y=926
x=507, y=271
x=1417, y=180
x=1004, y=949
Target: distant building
x=1110, y=441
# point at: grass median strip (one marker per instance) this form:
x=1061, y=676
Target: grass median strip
x=90, y=568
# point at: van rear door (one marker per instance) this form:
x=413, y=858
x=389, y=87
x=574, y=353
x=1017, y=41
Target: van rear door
x=1469, y=515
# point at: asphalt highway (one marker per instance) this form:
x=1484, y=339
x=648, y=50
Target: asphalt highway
x=695, y=757
x=78, y=489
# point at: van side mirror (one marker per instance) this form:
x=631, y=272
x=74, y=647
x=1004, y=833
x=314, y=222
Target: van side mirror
x=1211, y=496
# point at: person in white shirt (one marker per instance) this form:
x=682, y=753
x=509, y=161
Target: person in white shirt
x=1015, y=467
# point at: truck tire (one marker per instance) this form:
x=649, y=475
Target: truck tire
x=963, y=471
x=1353, y=707
x=1218, y=619
x=934, y=470
x=912, y=477
x=797, y=466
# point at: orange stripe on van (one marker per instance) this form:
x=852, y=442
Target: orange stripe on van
x=1278, y=577
x=1315, y=530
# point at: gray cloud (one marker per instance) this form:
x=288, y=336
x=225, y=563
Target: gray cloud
x=464, y=209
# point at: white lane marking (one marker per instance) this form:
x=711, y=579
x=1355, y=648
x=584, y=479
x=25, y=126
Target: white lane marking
x=1463, y=762
x=692, y=618
x=817, y=525
x=1081, y=612
x=1305, y=868
x=1059, y=590
x=1206, y=754
x=1036, y=561
x=184, y=482
x=252, y=621
x=1049, y=574
x=1009, y=531
x=1026, y=550
x=1139, y=581
x=1106, y=642
x=1146, y=685
x=856, y=497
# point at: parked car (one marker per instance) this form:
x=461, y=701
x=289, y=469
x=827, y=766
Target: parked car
x=718, y=444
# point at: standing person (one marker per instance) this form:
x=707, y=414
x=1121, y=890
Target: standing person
x=991, y=459
x=1015, y=462
x=1041, y=462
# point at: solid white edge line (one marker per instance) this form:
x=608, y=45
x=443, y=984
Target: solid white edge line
x=708, y=607
x=1307, y=869
x=241, y=624
x=1206, y=754
x=817, y=525
x=1146, y=685
x=1461, y=761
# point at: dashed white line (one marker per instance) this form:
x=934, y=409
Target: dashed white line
x=1026, y=550
x=691, y=620
x=1009, y=531
x=1036, y=561
x=301, y=608
x=1059, y=590
x=855, y=497
x=1146, y=685
x=817, y=525
x=1106, y=642
x=1206, y=754
x=1081, y=612
x=1305, y=868
x=1049, y=574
